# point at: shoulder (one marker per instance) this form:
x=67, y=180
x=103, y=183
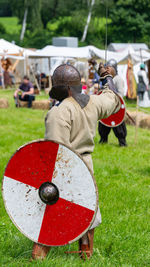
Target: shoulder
x=62, y=111
x=97, y=99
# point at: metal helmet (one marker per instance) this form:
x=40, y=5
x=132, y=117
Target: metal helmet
x=112, y=63
x=63, y=77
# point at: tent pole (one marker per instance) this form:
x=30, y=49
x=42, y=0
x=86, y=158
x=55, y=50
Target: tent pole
x=136, y=121
x=2, y=77
x=49, y=77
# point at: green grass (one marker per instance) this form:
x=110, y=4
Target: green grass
x=123, y=179
x=11, y=24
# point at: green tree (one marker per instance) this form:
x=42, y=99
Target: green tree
x=130, y=21
x=34, y=21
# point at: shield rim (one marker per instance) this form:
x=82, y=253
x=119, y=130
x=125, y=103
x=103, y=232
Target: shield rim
x=94, y=181
x=117, y=111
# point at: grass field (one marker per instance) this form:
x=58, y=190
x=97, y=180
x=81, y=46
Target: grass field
x=123, y=179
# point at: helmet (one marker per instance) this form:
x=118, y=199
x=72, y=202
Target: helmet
x=64, y=77
x=112, y=63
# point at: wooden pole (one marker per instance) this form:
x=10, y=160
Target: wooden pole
x=49, y=77
x=2, y=77
x=35, y=79
x=136, y=121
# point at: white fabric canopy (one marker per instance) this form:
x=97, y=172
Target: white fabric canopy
x=69, y=52
x=7, y=48
x=90, y=51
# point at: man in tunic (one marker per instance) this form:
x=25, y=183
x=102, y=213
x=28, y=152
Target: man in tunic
x=73, y=122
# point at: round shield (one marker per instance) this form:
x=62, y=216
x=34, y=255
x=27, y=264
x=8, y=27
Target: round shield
x=49, y=193
x=116, y=119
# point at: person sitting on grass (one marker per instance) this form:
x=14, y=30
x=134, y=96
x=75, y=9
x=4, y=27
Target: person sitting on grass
x=25, y=92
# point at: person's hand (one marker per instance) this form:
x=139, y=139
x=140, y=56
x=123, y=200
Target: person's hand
x=23, y=94
x=16, y=93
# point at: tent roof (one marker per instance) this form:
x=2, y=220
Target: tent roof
x=9, y=48
x=55, y=51
x=118, y=47
x=88, y=52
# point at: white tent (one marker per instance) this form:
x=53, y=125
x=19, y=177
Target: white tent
x=65, y=52
x=9, y=48
x=87, y=52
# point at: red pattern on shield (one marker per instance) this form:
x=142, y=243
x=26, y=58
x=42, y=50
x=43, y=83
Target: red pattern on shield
x=63, y=222
x=33, y=164
x=116, y=119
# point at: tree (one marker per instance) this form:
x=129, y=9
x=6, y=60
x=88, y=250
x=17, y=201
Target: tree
x=34, y=21
x=130, y=21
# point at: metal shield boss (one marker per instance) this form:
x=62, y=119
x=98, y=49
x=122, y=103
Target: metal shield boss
x=49, y=193
x=116, y=119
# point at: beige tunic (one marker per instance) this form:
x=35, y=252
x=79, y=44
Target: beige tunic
x=75, y=127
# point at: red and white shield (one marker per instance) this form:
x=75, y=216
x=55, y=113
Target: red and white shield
x=116, y=119
x=59, y=222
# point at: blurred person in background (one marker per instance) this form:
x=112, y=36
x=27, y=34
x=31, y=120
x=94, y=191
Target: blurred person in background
x=25, y=92
x=143, y=82
x=84, y=85
x=121, y=130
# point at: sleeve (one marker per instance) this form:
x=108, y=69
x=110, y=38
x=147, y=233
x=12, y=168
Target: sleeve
x=31, y=85
x=107, y=103
x=58, y=126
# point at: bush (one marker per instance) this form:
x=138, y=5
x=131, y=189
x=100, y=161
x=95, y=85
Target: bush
x=2, y=29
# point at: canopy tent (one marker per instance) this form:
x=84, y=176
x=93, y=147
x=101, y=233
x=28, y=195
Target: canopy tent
x=69, y=52
x=122, y=58
x=87, y=52
x=9, y=48
x=17, y=60
x=119, y=47
x=13, y=50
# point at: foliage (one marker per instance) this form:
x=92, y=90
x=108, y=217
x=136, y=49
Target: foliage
x=2, y=29
x=130, y=21
x=11, y=24
x=37, y=38
x=5, y=8
x=122, y=176
x=34, y=12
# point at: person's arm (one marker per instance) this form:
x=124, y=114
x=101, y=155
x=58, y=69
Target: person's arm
x=58, y=126
x=31, y=92
x=145, y=78
x=107, y=104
